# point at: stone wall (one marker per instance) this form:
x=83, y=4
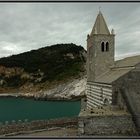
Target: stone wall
x=99, y=62
x=129, y=88
x=107, y=126
x=83, y=103
x=22, y=127
x=98, y=94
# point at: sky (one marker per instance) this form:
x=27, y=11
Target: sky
x=29, y=26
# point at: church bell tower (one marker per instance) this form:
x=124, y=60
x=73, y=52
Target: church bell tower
x=100, y=49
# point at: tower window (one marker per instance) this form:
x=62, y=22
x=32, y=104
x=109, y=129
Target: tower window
x=107, y=46
x=102, y=47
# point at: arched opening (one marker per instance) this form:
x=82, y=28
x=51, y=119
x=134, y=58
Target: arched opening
x=102, y=47
x=107, y=46
x=106, y=102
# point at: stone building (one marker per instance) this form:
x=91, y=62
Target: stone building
x=100, y=57
x=111, y=85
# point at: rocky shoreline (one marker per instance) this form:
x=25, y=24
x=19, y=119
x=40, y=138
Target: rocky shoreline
x=70, y=91
x=76, y=98
x=9, y=95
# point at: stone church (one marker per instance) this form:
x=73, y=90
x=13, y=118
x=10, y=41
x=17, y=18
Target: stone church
x=112, y=86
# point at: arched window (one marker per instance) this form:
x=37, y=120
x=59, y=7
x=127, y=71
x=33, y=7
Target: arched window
x=107, y=46
x=102, y=47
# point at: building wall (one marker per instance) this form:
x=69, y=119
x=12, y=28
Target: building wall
x=99, y=62
x=117, y=98
x=98, y=94
x=107, y=126
x=129, y=88
x=83, y=103
x=90, y=64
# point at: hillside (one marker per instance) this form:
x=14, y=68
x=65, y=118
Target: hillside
x=42, y=69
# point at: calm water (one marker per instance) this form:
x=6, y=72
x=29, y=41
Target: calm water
x=21, y=109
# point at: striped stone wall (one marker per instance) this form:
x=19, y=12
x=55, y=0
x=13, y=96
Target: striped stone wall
x=98, y=94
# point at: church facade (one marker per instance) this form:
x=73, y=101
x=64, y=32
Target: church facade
x=110, y=83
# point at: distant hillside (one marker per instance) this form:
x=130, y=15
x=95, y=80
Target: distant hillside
x=52, y=63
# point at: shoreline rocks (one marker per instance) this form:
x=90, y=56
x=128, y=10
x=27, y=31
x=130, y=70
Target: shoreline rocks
x=76, y=98
x=72, y=90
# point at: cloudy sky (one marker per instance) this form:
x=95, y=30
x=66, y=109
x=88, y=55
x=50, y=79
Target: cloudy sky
x=27, y=26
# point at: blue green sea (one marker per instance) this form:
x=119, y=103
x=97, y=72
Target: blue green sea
x=20, y=109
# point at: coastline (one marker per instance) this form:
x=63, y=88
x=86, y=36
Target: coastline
x=18, y=95
x=71, y=91
x=9, y=95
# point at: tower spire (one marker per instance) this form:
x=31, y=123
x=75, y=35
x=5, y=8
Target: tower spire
x=99, y=9
x=100, y=26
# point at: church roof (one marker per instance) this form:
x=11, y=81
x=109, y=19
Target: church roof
x=112, y=75
x=120, y=68
x=129, y=61
x=100, y=26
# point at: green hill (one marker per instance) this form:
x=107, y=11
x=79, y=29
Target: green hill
x=51, y=63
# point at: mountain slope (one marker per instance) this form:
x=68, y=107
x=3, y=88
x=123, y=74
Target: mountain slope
x=42, y=68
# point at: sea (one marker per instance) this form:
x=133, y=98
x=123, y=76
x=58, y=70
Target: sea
x=22, y=109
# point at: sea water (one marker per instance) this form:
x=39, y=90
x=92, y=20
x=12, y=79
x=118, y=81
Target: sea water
x=28, y=109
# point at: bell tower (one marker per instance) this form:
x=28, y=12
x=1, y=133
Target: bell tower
x=100, y=49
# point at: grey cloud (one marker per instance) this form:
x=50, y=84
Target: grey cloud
x=30, y=26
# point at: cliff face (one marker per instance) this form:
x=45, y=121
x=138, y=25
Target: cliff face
x=47, y=69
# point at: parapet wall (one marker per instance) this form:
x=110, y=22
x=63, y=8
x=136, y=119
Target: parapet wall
x=106, y=126
x=19, y=128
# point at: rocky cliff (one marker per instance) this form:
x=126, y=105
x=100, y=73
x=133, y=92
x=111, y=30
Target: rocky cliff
x=56, y=71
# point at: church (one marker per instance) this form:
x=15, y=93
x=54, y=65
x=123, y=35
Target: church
x=112, y=86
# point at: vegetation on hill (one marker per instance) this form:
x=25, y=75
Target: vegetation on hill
x=56, y=62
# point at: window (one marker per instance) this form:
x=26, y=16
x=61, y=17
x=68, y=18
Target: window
x=107, y=46
x=102, y=47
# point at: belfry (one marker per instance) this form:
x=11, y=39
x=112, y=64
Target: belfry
x=100, y=48
x=100, y=52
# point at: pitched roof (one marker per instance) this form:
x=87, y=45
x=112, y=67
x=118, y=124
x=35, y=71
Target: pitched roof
x=120, y=68
x=112, y=75
x=129, y=61
x=100, y=26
